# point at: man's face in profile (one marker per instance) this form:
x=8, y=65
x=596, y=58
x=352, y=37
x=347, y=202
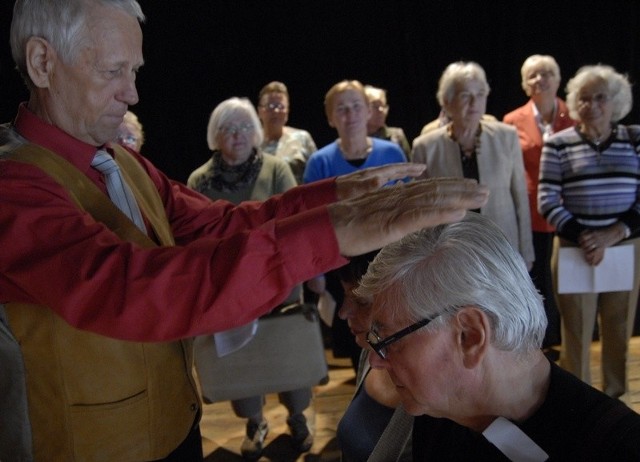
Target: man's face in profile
x=88, y=97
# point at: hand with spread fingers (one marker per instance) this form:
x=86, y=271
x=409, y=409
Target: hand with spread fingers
x=369, y=179
x=373, y=220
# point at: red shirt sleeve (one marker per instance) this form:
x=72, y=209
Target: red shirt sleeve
x=231, y=263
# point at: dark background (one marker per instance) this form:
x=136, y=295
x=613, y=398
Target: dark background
x=199, y=52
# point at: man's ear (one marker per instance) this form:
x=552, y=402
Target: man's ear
x=474, y=335
x=40, y=57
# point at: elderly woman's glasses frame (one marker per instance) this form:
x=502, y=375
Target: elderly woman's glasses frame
x=230, y=130
x=379, y=345
x=598, y=98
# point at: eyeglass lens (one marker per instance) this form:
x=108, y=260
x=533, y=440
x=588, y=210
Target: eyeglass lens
x=229, y=130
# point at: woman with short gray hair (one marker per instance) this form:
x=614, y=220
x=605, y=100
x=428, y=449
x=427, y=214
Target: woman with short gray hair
x=240, y=171
x=470, y=146
x=589, y=190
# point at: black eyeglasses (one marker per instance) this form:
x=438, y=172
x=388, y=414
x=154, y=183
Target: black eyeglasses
x=380, y=345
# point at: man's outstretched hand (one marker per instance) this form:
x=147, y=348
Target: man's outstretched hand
x=369, y=179
x=370, y=221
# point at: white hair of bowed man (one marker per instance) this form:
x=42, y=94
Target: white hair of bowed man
x=59, y=22
x=437, y=271
x=618, y=87
x=228, y=109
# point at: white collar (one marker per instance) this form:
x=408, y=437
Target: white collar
x=545, y=129
x=513, y=442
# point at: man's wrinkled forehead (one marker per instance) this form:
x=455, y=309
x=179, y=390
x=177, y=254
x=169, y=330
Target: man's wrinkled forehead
x=384, y=309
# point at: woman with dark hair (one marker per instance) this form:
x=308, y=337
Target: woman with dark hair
x=292, y=145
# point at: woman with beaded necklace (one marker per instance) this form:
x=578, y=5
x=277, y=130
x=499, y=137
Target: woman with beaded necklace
x=472, y=147
x=239, y=171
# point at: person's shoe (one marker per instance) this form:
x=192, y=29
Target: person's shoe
x=301, y=437
x=253, y=443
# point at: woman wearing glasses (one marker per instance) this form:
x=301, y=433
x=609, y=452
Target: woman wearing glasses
x=239, y=171
x=589, y=190
x=130, y=132
x=290, y=144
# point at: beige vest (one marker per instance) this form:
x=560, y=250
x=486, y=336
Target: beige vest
x=93, y=398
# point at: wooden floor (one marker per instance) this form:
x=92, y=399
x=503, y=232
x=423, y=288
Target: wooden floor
x=223, y=432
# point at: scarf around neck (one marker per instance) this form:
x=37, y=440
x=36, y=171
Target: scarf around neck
x=231, y=178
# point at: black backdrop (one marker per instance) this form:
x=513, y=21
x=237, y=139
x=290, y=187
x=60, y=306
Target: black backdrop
x=199, y=52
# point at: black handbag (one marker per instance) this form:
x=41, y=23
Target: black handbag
x=286, y=353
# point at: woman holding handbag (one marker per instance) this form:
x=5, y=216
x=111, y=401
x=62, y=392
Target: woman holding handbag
x=239, y=171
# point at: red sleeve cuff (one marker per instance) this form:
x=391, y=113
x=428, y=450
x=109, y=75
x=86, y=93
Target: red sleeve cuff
x=319, y=193
x=308, y=244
